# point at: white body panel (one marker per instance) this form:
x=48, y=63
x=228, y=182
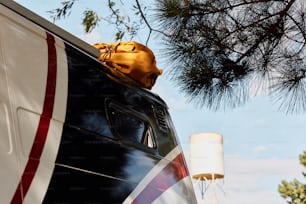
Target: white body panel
x=25, y=61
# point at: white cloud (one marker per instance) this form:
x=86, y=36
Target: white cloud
x=259, y=148
x=92, y=37
x=255, y=181
x=164, y=88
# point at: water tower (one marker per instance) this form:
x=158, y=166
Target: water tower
x=206, y=163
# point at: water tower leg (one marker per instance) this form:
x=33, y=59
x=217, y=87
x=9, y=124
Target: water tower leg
x=214, y=189
x=202, y=189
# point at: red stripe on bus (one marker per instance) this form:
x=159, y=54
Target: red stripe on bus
x=43, y=126
x=171, y=174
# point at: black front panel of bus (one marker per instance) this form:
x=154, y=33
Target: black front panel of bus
x=98, y=162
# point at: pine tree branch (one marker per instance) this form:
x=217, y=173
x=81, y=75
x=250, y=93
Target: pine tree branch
x=147, y=22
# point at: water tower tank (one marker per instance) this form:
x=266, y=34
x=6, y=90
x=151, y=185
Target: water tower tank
x=206, y=156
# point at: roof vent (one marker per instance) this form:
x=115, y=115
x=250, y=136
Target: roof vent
x=161, y=118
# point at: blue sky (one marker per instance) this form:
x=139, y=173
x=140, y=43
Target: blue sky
x=261, y=144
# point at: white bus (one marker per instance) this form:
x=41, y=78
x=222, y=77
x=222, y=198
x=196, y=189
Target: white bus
x=71, y=131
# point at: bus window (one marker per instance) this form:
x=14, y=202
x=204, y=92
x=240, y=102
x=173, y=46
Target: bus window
x=130, y=126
